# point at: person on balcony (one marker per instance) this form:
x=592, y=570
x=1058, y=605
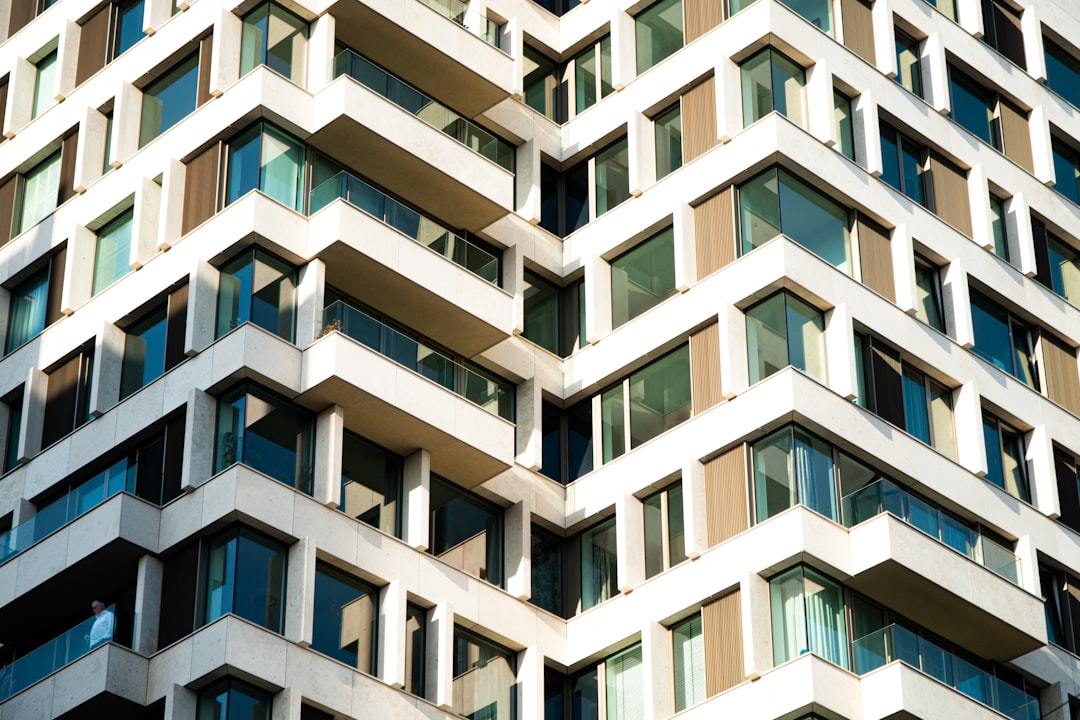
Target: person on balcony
x=104, y=623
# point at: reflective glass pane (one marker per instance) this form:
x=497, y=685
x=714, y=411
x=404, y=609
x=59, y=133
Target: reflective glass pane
x=668, y=129
x=169, y=99
x=1062, y=72
x=246, y=576
x=997, y=226
x=788, y=80
x=759, y=210
x=928, y=296
x=26, y=311
x=546, y=570
x=129, y=26
x=1066, y=170
x=541, y=85
x=991, y=326
x=757, y=87
x=541, y=312
x=1064, y=269
x=766, y=337
x=613, y=423
x=599, y=581
x=345, y=618
x=257, y=287
x=642, y=277
x=774, y=484
x=44, y=84
x=40, y=192
x=144, y=352
x=814, y=221
x=818, y=13
x=973, y=108
x=612, y=176
x=688, y=656
x=466, y=531
x=585, y=80
x=845, y=133
x=812, y=462
x=660, y=396
x=484, y=678
x=112, y=256
x=370, y=483
x=805, y=337
x=653, y=511
x=890, y=157
x=624, y=685
x=659, y=32
x=909, y=70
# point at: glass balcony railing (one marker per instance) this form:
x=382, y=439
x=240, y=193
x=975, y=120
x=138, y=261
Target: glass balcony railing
x=417, y=357
x=896, y=643
x=57, y=653
x=885, y=496
x=406, y=221
x=81, y=500
x=487, y=30
x=430, y=111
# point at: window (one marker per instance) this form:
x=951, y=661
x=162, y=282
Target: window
x=775, y=202
x=128, y=26
x=590, y=74
x=782, y=331
x=1062, y=71
x=34, y=303
x=1006, y=464
x=112, y=254
x=567, y=440
x=612, y=170
x=1064, y=266
x=1060, y=594
x=1068, y=486
x=485, y=675
x=793, y=467
x=565, y=204
x=415, y=648
x=266, y=159
x=908, y=65
x=1066, y=169
x=1003, y=340
x=107, y=34
x=558, y=7
x=903, y=163
x=688, y=662
x=974, y=108
x=609, y=690
x=39, y=192
x=554, y=316
x=659, y=32
x=547, y=571
x=371, y=479
x=807, y=617
x=345, y=625
x=154, y=343
x=44, y=83
x=231, y=699
x=668, y=130
x=13, y=434
x=266, y=433
x=642, y=277
x=1002, y=30
x=998, y=228
x=466, y=531
x=541, y=85
x=169, y=99
x=845, y=132
x=246, y=577
x=274, y=37
x=665, y=542
x=259, y=288
x=894, y=390
x=67, y=396
x=649, y=402
x=599, y=564
x=928, y=307
x=946, y=7
x=818, y=13
x=770, y=81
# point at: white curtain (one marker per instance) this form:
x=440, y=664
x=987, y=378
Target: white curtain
x=624, y=686
x=688, y=651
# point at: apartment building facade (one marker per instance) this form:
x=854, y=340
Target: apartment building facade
x=540, y=360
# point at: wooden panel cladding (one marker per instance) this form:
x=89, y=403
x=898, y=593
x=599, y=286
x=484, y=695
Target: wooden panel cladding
x=875, y=252
x=701, y=16
x=65, y=400
x=1015, y=135
x=1060, y=372
x=68, y=152
x=858, y=28
x=714, y=229
x=93, y=44
x=1005, y=31
x=175, y=327
x=721, y=630
x=726, y=506
x=888, y=383
x=705, y=368
x=206, y=64
x=54, y=299
x=201, y=188
x=698, y=113
x=7, y=207
x=951, y=202
x=22, y=12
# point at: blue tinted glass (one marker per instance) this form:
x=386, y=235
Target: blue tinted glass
x=916, y=414
x=344, y=619
x=576, y=197
x=1062, y=73
x=129, y=26
x=912, y=174
x=26, y=316
x=890, y=158
x=1066, y=171
x=170, y=99
x=995, y=473
x=813, y=221
x=991, y=326
x=258, y=594
x=144, y=352
x=970, y=109
x=579, y=440
x=814, y=470
x=244, y=164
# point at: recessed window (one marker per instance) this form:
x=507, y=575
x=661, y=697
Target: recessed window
x=415, y=648
x=40, y=193
x=129, y=26
x=591, y=74
x=245, y=576
x=1003, y=340
x=646, y=404
x=928, y=306
x=1002, y=30
x=466, y=531
x=233, y=700
x=169, y=99
x=611, y=689
x=541, y=85
x=13, y=405
x=818, y=13
x=772, y=82
x=974, y=108
x=1006, y=463
x=547, y=559
x=1062, y=606
x=44, y=83
x=781, y=331
x=908, y=64
x=484, y=678
x=34, y=303
x=665, y=541
x=567, y=439
x=1062, y=71
x=144, y=351
x=612, y=169
x=845, y=133
x=808, y=617
x=599, y=564
x=659, y=32
x=998, y=228
x=946, y=7
x=274, y=37
x=345, y=624
x=688, y=662
x=643, y=277
x=1066, y=169
x=67, y=396
x=793, y=467
x=371, y=480
x=259, y=288
x=554, y=315
x=668, y=131
x=112, y=252
x=903, y=164
x=266, y=159
x=1064, y=266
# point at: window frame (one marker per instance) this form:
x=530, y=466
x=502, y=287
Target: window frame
x=934, y=293
x=1000, y=428
x=494, y=531
x=120, y=231
x=1018, y=331
x=655, y=11
x=907, y=147
x=227, y=686
x=755, y=351
x=329, y=615
x=175, y=78
x=905, y=42
x=672, y=544
x=653, y=250
x=667, y=139
x=222, y=542
x=989, y=99
x=258, y=56
x=775, y=63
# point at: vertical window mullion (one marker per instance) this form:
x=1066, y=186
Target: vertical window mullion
x=626, y=414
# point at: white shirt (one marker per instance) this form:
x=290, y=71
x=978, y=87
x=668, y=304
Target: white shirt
x=102, y=629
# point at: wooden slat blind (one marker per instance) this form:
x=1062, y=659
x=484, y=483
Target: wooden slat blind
x=93, y=44
x=1008, y=34
x=699, y=119
x=714, y=228
x=875, y=251
x=22, y=12
x=951, y=202
x=68, y=153
x=858, y=28
x=201, y=188
x=701, y=16
x=175, y=327
x=206, y=64
x=721, y=628
x=705, y=368
x=726, y=506
x=888, y=382
x=7, y=207
x=54, y=298
x=1015, y=135
x=1060, y=372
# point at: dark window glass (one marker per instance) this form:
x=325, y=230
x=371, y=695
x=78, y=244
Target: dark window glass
x=1002, y=340
x=169, y=99
x=129, y=26
x=274, y=37
x=466, y=531
x=973, y=108
x=144, y=352
x=541, y=84
x=599, y=564
x=541, y=312
x=415, y=648
x=259, y=288
x=1066, y=170
x=547, y=570
x=845, y=132
x=233, y=700
x=14, y=431
x=345, y=624
x=903, y=163
x=998, y=227
x=668, y=131
x=371, y=480
x=908, y=64
x=246, y=577
x=1062, y=72
x=26, y=311
x=484, y=678
x=1005, y=457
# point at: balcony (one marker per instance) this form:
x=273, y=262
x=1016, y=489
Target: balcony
x=894, y=644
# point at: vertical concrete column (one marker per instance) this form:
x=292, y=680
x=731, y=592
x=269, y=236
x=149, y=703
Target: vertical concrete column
x=597, y=298
x=866, y=131
x=514, y=283
x=24, y=510
x=310, y=296
x=756, y=625
x=198, y=462
x=623, y=49
x=393, y=601
x=935, y=73
x=513, y=42
x=656, y=663
x=5, y=308
x=1042, y=152
x=286, y=705
x=821, y=115
x=155, y=14
x=127, y=120
x=529, y=424
x=67, y=59
x=1040, y=457
x=144, y=241
x=148, y=585
x=957, y=302
x=5, y=422
x=967, y=419
x=202, y=307
x=1021, y=239
x=734, y=368
x=33, y=414
x=108, y=361
x=629, y=543
x=320, y=69
x=329, y=437
x=527, y=181
x=518, y=551
x=682, y=221
x=20, y=99
x=180, y=703
x=1028, y=555
x=982, y=231
x=1056, y=699
x=78, y=270
x=530, y=678
x=1034, y=53
x=840, y=352
x=439, y=660
x=641, y=141
x=300, y=592
x=729, y=117
x=416, y=486
x=884, y=37
x=225, y=48
x=172, y=203
x=476, y=18
x=903, y=261
x=695, y=518
x=969, y=15
x=90, y=150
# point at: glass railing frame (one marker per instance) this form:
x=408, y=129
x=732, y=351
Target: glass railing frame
x=460, y=13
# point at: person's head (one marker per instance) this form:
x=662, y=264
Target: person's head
x=97, y=606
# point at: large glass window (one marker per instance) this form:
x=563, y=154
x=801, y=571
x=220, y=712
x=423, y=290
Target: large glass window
x=231, y=699
x=946, y=7
x=40, y=189
x=554, y=316
x=112, y=255
x=776, y=202
x=246, y=577
x=541, y=84
x=592, y=74
x=974, y=108
x=908, y=64
x=1003, y=31
x=903, y=163
x=44, y=83
x=1006, y=464
x=808, y=617
x=371, y=480
x=818, y=13
x=770, y=81
x=345, y=625
x=659, y=31
x=1066, y=169
x=259, y=288
x=612, y=169
x=129, y=26
x=274, y=37
x=547, y=570
x=169, y=99
x=1003, y=340
x=688, y=662
x=485, y=676
x=1062, y=606
x=599, y=564
x=415, y=648
x=26, y=309
x=266, y=433
x=624, y=682
x=266, y=159
x=466, y=531
x=567, y=440
x=1062, y=72
x=144, y=351
x=651, y=401
x=782, y=331
x=668, y=131
x=665, y=540
x=928, y=307
x=642, y=277
x=1064, y=269
x=998, y=228
x=793, y=467
x=845, y=131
